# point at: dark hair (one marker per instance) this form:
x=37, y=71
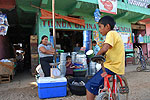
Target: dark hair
x=44, y=36
x=107, y=20
x=68, y=57
x=94, y=42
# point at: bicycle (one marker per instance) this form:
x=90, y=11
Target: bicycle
x=119, y=84
x=142, y=60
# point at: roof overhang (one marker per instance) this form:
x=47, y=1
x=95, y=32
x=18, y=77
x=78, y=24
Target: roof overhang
x=145, y=21
x=7, y=4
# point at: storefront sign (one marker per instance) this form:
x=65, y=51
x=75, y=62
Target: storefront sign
x=108, y=6
x=141, y=3
x=68, y=25
x=124, y=29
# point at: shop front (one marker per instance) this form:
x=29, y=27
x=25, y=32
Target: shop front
x=67, y=33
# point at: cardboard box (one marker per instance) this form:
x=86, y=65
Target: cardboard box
x=34, y=48
x=6, y=68
x=34, y=62
x=35, y=56
x=50, y=88
x=33, y=39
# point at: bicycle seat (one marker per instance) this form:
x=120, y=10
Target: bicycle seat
x=99, y=59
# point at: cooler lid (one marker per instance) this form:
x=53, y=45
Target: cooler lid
x=51, y=80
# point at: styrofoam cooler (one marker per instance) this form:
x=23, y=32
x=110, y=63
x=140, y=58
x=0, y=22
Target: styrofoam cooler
x=62, y=67
x=63, y=56
x=50, y=88
x=81, y=58
x=73, y=56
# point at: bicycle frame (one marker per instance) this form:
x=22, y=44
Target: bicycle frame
x=114, y=88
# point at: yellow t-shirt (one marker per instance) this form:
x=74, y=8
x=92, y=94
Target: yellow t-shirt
x=115, y=56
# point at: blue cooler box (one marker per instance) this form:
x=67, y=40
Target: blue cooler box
x=49, y=87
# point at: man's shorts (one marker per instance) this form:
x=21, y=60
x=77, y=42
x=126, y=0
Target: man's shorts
x=96, y=81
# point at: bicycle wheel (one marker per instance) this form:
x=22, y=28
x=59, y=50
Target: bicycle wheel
x=102, y=96
x=139, y=68
x=122, y=91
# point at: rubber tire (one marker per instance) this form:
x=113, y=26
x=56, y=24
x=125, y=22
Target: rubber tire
x=102, y=96
x=138, y=69
x=125, y=83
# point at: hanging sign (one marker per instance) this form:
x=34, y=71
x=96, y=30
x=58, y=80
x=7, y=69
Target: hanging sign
x=126, y=37
x=127, y=40
x=108, y=6
x=141, y=3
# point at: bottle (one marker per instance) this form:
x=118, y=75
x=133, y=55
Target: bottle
x=140, y=39
x=133, y=37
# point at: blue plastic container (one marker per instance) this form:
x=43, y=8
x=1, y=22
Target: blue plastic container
x=86, y=35
x=51, y=88
x=76, y=64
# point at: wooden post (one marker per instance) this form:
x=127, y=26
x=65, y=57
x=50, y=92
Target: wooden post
x=54, y=35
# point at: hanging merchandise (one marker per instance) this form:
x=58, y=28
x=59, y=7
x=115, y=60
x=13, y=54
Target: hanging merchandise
x=3, y=24
x=133, y=38
x=97, y=15
x=116, y=28
x=3, y=30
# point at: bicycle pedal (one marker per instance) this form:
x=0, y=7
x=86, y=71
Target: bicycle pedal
x=124, y=90
x=103, y=90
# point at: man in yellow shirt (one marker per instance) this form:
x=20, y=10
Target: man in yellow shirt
x=115, y=56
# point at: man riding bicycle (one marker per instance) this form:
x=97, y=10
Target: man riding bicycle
x=115, y=56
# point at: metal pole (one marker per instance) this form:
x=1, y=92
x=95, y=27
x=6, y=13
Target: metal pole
x=54, y=35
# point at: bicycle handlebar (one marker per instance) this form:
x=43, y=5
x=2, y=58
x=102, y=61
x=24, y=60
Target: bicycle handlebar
x=99, y=59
